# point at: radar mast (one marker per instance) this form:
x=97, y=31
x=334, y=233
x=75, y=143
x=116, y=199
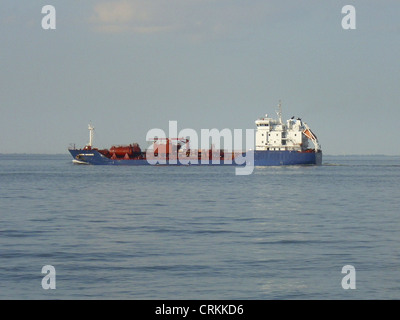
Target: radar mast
x=91, y=128
x=279, y=112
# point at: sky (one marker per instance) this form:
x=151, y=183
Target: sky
x=128, y=66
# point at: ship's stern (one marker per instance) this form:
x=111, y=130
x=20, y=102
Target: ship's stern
x=318, y=158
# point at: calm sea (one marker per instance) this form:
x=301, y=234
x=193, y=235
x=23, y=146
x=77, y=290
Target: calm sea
x=199, y=232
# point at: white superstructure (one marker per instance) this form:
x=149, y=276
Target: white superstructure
x=294, y=135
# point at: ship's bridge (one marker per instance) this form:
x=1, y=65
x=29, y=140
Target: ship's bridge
x=266, y=123
x=273, y=134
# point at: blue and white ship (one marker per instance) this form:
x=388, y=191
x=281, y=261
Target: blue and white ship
x=276, y=143
x=290, y=143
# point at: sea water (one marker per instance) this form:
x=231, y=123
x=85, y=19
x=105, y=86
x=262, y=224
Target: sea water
x=199, y=232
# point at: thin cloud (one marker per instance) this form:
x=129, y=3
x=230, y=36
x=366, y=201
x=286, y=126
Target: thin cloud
x=120, y=16
x=114, y=12
x=193, y=18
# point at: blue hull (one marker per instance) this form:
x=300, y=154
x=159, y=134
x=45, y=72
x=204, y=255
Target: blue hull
x=283, y=158
x=261, y=158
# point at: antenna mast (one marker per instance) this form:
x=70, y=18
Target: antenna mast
x=279, y=112
x=91, y=128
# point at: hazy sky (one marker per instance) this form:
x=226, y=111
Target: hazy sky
x=130, y=66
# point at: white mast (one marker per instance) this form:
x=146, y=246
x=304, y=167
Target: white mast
x=279, y=112
x=90, y=135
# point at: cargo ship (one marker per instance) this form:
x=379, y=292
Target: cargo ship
x=276, y=143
